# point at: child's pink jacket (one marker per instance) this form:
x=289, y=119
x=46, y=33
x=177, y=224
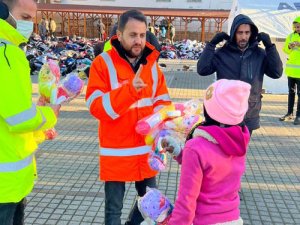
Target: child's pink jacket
x=213, y=163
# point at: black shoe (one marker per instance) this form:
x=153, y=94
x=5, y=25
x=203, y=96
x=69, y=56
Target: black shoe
x=297, y=120
x=288, y=116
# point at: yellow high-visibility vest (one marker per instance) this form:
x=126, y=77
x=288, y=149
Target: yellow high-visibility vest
x=107, y=46
x=292, y=68
x=19, y=118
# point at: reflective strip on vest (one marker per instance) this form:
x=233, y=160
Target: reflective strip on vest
x=125, y=151
x=93, y=96
x=22, y=116
x=157, y=108
x=15, y=166
x=112, y=71
x=142, y=103
x=43, y=121
x=108, y=107
x=155, y=79
x=293, y=66
x=3, y=41
x=164, y=97
x=114, y=85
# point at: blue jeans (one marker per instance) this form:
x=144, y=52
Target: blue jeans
x=12, y=213
x=114, y=195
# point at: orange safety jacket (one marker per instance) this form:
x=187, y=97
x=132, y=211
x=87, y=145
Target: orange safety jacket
x=112, y=99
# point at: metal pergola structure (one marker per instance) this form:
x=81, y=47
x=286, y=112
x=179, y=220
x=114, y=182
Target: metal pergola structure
x=81, y=19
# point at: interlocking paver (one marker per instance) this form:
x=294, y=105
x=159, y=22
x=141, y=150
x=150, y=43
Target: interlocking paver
x=68, y=190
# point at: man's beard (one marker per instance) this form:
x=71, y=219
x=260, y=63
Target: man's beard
x=130, y=53
x=243, y=45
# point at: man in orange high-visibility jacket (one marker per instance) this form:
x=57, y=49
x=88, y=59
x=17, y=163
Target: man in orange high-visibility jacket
x=125, y=85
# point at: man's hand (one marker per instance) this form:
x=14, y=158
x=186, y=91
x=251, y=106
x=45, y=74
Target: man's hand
x=294, y=44
x=55, y=109
x=219, y=37
x=137, y=81
x=265, y=38
x=41, y=101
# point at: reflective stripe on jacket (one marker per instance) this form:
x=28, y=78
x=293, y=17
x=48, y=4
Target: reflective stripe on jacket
x=19, y=118
x=292, y=68
x=112, y=99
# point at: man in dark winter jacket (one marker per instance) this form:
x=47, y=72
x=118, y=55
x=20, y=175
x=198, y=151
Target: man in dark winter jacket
x=241, y=59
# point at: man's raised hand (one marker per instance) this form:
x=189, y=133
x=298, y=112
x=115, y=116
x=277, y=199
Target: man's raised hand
x=137, y=81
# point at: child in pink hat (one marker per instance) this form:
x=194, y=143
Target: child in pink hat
x=213, y=159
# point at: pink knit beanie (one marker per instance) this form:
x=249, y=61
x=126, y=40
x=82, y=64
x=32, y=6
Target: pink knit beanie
x=226, y=101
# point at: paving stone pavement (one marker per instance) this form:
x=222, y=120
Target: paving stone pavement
x=68, y=190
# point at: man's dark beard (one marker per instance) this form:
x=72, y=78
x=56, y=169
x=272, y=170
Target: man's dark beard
x=243, y=48
x=129, y=54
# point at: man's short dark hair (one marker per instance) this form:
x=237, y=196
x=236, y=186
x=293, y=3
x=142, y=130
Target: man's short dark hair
x=130, y=14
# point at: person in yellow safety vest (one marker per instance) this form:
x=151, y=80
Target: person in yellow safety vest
x=20, y=118
x=292, y=70
x=125, y=85
x=107, y=46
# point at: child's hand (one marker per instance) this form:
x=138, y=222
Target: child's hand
x=171, y=145
x=166, y=221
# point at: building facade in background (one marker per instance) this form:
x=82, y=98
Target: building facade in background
x=171, y=4
x=198, y=26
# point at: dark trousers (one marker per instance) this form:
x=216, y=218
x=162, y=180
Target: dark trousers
x=250, y=131
x=12, y=213
x=294, y=86
x=114, y=195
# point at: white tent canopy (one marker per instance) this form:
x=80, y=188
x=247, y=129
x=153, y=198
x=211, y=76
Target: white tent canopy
x=274, y=17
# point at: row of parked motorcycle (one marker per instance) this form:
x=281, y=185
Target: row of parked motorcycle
x=185, y=49
x=71, y=55
x=77, y=54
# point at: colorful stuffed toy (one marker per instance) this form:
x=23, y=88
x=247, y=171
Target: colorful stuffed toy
x=69, y=88
x=145, y=125
x=155, y=205
x=172, y=122
x=191, y=107
x=48, y=80
x=157, y=160
x=55, y=92
x=183, y=124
